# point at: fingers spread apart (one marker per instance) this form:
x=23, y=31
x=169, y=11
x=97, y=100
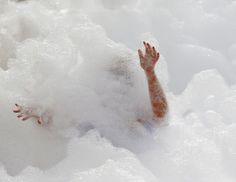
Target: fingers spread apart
x=21, y=114
x=151, y=50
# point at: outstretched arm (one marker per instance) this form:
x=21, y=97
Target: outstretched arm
x=25, y=113
x=157, y=96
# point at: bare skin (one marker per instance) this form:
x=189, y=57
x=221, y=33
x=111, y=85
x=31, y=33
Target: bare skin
x=156, y=93
x=157, y=96
x=25, y=113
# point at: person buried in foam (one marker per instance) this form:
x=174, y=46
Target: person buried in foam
x=148, y=60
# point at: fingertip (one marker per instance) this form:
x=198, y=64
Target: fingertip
x=148, y=46
x=39, y=122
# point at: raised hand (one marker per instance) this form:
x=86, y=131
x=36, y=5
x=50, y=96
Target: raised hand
x=156, y=93
x=25, y=113
x=150, y=58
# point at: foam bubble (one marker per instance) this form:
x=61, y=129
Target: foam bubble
x=78, y=59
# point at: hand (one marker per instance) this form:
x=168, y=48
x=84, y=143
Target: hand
x=150, y=58
x=25, y=113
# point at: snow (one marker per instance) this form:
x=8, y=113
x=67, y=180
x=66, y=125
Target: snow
x=79, y=60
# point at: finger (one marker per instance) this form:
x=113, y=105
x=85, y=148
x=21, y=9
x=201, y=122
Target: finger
x=20, y=115
x=16, y=110
x=157, y=56
x=150, y=48
x=141, y=57
x=40, y=121
x=154, y=49
x=153, y=52
x=140, y=53
x=148, y=45
x=147, y=50
x=145, y=44
x=25, y=118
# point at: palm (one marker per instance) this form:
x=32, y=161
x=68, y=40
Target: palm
x=25, y=113
x=150, y=58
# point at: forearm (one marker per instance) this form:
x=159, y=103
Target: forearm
x=157, y=96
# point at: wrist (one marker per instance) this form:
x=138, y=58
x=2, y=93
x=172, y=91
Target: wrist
x=149, y=71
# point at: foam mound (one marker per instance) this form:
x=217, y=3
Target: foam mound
x=79, y=60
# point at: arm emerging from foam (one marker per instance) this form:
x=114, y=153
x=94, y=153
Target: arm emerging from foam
x=158, y=100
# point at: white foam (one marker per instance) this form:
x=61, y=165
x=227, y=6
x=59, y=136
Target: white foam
x=79, y=60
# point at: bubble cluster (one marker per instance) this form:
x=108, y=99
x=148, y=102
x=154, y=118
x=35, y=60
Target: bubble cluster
x=79, y=60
